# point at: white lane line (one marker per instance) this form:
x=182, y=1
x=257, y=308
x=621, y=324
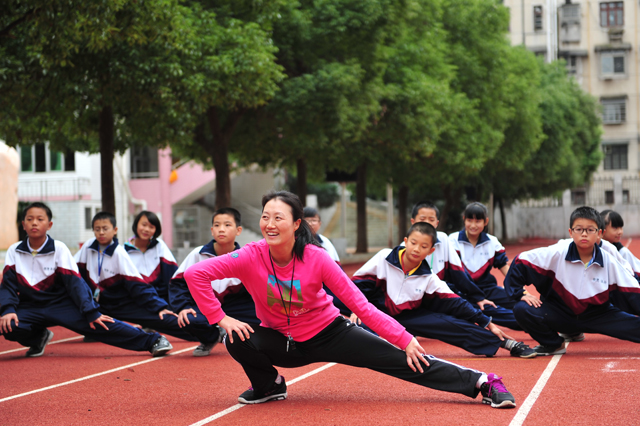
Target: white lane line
x=526, y=406
x=113, y=370
x=238, y=406
x=50, y=343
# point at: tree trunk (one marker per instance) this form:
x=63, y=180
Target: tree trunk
x=219, y=150
x=106, y=159
x=361, y=198
x=503, y=220
x=301, y=166
x=451, y=197
x=403, y=226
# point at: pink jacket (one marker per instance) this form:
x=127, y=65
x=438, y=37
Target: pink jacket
x=311, y=308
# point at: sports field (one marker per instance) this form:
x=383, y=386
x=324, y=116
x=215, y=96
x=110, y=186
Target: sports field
x=76, y=383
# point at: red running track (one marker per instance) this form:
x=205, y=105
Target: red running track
x=78, y=383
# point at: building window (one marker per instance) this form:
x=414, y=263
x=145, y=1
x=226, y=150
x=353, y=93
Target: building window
x=34, y=158
x=608, y=197
x=625, y=196
x=578, y=197
x=537, y=18
x=572, y=64
x=614, y=111
x=612, y=14
x=144, y=162
x=612, y=64
x=87, y=218
x=615, y=157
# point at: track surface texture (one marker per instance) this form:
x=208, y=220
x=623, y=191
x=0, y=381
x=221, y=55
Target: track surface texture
x=75, y=383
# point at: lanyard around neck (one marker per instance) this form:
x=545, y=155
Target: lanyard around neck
x=281, y=285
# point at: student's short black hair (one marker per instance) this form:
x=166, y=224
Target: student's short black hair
x=37, y=205
x=612, y=218
x=585, y=212
x=310, y=212
x=424, y=205
x=424, y=228
x=231, y=212
x=475, y=210
x=152, y=218
x=102, y=216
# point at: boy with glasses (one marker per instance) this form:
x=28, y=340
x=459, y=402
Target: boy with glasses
x=576, y=283
x=312, y=217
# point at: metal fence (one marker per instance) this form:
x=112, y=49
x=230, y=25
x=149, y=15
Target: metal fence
x=54, y=189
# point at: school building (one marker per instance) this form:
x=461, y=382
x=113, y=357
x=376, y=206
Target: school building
x=181, y=193
x=599, y=41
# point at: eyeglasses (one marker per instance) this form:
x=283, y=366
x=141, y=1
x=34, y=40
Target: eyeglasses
x=312, y=220
x=587, y=230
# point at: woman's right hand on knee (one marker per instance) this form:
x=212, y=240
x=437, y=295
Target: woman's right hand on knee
x=230, y=325
x=5, y=322
x=415, y=355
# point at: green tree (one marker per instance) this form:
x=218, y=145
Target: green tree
x=90, y=76
x=231, y=69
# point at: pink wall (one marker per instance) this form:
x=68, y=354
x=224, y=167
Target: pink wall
x=191, y=177
x=161, y=195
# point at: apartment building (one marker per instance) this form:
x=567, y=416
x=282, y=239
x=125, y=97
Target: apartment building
x=599, y=41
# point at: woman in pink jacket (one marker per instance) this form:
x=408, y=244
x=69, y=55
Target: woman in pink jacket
x=284, y=273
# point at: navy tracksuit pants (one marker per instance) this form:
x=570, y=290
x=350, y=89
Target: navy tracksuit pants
x=242, y=309
x=344, y=343
x=34, y=319
x=544, y=323
x=131, y=312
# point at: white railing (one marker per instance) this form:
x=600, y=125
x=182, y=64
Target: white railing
x=55, y=188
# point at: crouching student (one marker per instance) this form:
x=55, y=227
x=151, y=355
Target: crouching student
x=151, y=256
x=425, y=305
x=480, y=252
x=234, y=298
x=41, y=287
x=446, y=264
x=576, y=282
x=120, y=289
x=284, y=273
x=312, y=217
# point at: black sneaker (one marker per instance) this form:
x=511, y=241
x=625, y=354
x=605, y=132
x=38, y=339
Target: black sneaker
x=161, y=347
x=496, y=394
x=38, y=349
x=277, y=392
x=573, y=337
x=548, y=350
x=523, y=351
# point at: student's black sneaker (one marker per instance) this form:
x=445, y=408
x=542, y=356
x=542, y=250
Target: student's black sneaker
x=523, y=351
x=277, y=392
x=548, y=350
x=496, y=394
x=573, y=337
x=161, y=347
x=38, y=350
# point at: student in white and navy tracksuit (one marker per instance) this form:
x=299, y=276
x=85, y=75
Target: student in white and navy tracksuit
x=424, y=304
x=478, y=262
x=44, y=288
x=612, y=231
x=446, y=263
x=575, y=292
x=312, y=217
x=151, y=256
x=233, y=296
x=123, y=294
x=156, y=265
